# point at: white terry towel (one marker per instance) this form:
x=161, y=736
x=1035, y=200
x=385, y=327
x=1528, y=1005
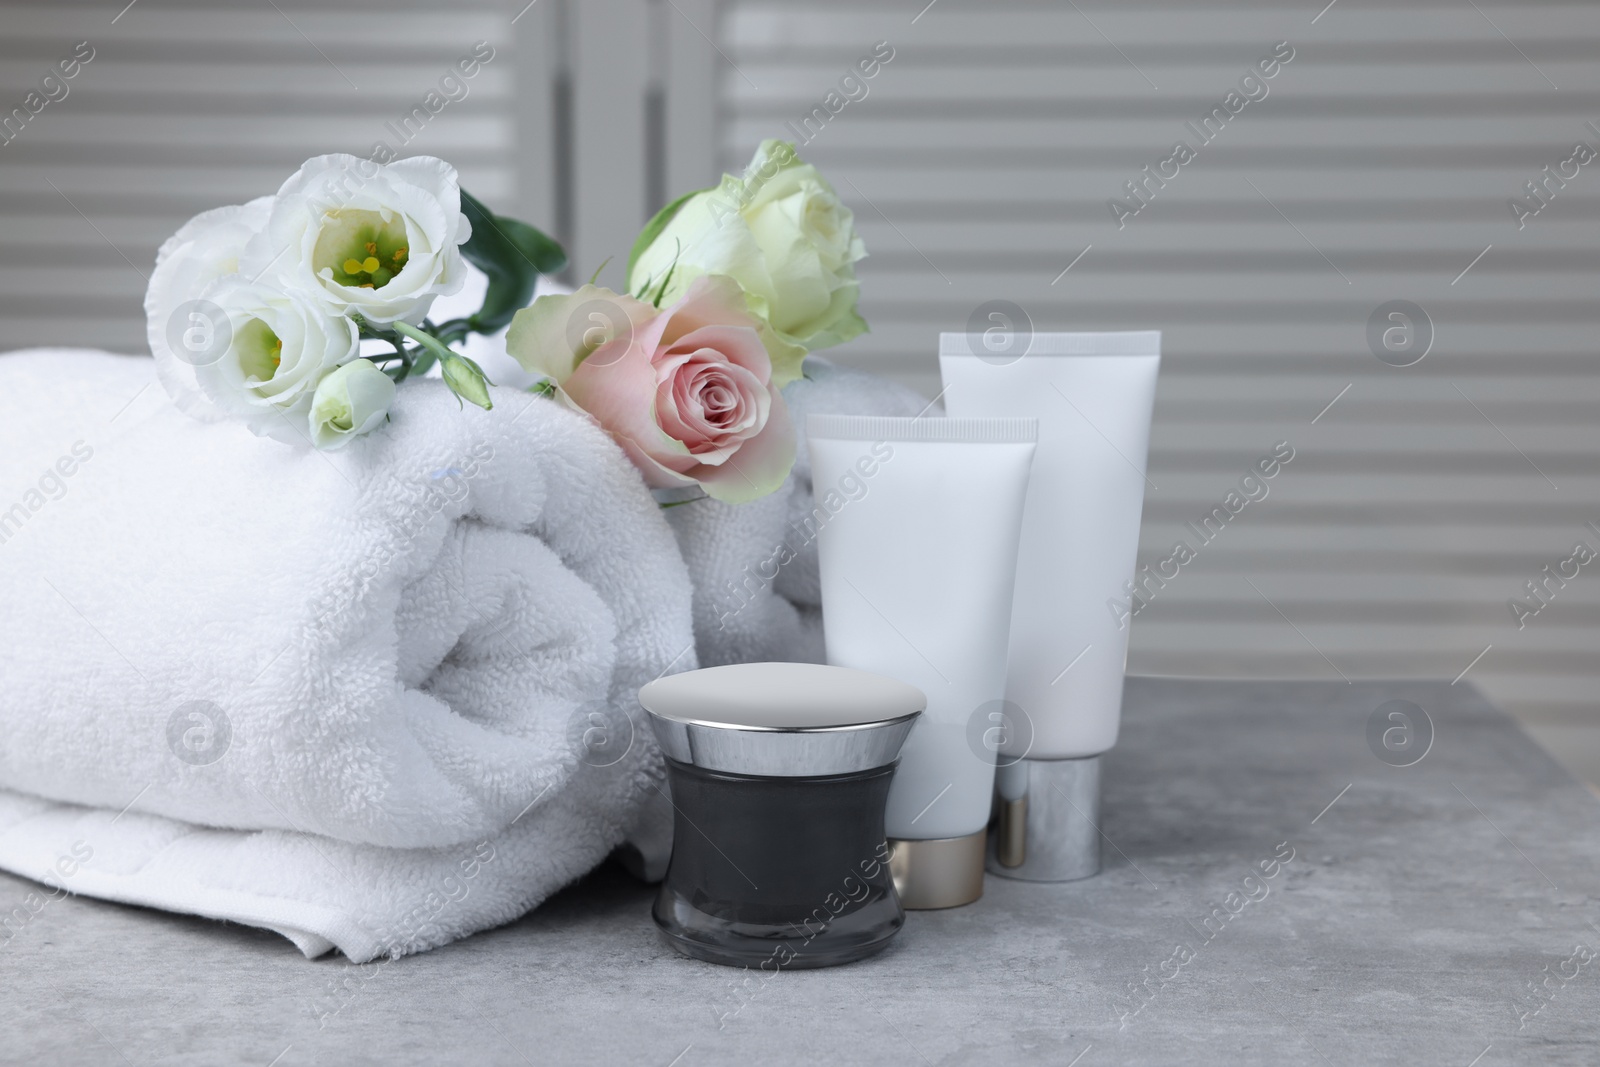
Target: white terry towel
x=757, y=593
x=370, y=699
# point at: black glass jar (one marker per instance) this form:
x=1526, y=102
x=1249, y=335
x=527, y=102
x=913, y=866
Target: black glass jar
x=779, y=773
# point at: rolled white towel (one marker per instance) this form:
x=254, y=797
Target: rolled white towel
x=303, y=689
x=757, y=594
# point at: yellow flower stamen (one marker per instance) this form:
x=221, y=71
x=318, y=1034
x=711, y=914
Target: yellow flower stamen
x=372, y=266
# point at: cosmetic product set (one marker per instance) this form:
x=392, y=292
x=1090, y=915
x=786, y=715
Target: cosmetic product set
x=974, y=670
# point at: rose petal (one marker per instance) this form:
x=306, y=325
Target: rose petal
x=760, y=465
x=680, y=413
x=740, y=344
x=548, y=336
x=710, y=300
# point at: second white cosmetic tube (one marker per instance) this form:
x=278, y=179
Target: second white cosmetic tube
x=920, y=520
x=1092, y=394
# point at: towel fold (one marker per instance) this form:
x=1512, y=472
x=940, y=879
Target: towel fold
x=321, y=693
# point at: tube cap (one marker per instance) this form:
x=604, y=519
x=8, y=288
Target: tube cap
x=1049, y=817
x=944, y=872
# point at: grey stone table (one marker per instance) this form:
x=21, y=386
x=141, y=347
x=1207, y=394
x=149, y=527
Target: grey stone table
x=1438, y=913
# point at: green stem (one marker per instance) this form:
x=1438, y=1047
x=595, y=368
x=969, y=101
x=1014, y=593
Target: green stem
x=426, y=340
x=423, y=362
x=453, y=331
x=405, y=358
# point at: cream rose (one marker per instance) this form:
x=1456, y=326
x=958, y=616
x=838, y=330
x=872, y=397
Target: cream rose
x=376, y=241
x=686, y=390
x=781, y=233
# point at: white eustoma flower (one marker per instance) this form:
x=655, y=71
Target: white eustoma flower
x=380, y=241
x=349, y=401
x=183, y=331
x=274, y=347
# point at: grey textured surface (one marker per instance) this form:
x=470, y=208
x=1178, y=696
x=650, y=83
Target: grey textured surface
x=1410, y=927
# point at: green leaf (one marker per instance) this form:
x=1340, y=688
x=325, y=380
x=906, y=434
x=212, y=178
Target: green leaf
x=513, y=255
x=534, y=246
x=662, y=291
x=653, y=228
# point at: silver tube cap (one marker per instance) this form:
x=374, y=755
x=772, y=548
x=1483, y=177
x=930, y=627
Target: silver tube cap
x=1048, y=818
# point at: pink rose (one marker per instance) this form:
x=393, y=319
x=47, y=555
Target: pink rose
x=687, y=390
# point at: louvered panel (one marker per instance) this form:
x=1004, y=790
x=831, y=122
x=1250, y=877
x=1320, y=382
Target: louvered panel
x=1378, y=167
x=189, y=105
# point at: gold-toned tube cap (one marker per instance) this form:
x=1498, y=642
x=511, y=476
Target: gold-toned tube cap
x=944, y=872
x=1011, y=832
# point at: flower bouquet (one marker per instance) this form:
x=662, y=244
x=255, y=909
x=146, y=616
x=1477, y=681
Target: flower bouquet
x=257, y=312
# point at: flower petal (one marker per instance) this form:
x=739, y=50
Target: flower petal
x=761, y=464
x=557, y=332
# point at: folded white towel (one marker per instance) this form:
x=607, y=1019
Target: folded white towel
x=321, y=693
x=757, y=594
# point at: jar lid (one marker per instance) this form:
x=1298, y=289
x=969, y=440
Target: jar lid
x=782, y=720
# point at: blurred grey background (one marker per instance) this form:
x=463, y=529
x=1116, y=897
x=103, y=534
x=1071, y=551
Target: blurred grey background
x=1381, y=165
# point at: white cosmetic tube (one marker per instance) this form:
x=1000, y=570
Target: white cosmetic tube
x=1092, y=394
x=919, y=523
